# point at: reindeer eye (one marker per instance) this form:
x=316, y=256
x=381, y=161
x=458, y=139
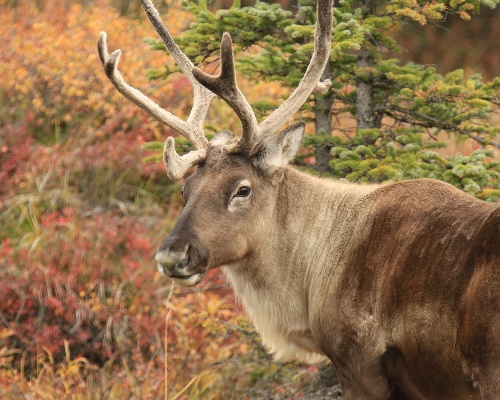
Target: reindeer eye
x=243, y=191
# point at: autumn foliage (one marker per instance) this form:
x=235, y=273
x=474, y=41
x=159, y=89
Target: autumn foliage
x=82, y=307
x=52, y=75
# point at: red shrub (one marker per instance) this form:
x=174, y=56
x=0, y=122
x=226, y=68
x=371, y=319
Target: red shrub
x=16, y=146
x=91, y=284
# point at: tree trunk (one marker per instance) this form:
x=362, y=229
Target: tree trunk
x=323, y=123
x=365, y=115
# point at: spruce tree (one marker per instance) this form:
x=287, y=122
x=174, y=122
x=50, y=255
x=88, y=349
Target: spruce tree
x=398, y=116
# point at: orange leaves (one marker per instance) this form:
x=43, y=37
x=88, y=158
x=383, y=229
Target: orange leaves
x=81, y=215
x=51, y=66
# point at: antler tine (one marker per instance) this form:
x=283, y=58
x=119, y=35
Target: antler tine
x=225, y=86
x=310, y=81
x=110, y=64
x=179, y=165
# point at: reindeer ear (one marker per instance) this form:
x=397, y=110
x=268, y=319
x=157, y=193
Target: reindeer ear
x=277, y=151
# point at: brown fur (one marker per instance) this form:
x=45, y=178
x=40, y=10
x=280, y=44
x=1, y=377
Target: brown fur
x=407, y=289
x=398, y=285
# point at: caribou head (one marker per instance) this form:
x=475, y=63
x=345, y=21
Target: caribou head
x=237, y=180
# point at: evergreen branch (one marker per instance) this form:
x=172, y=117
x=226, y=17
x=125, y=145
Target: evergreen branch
x=427, y=121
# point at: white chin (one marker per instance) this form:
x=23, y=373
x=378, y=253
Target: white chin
x=191, y=281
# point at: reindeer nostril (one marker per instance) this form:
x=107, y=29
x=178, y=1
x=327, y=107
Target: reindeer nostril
x=180, y=265
x=176, y=256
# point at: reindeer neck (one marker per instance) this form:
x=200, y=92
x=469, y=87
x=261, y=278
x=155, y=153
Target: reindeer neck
x=297, y=254
x=315, y=215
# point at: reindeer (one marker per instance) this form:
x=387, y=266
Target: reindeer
x=398, y=285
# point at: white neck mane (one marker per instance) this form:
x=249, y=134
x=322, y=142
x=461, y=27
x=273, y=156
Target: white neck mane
x=298, y=257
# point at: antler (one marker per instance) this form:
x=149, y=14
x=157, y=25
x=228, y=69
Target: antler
x=224, y=84
x=206, y=86
x=192, y=129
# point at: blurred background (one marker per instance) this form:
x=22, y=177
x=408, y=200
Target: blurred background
x=84, y=205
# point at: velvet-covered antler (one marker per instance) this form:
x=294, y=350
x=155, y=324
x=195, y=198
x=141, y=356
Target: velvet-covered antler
x=224, y=85
x=192, y=129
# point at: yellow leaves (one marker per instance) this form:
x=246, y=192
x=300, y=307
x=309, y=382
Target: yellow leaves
x=412, y=14
x=417, y=12
x=51, y=66
x=37, y=103
x=464, y=15
x=52, y=70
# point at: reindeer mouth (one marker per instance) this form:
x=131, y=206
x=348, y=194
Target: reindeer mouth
x=188, y=280
x=176, y=266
